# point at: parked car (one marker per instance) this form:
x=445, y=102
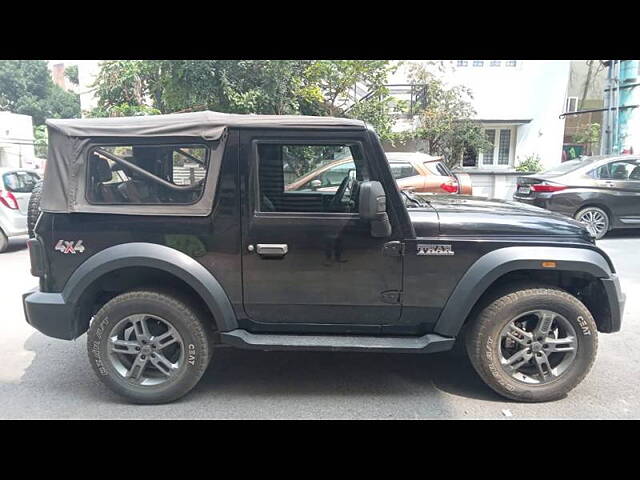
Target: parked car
x=601, y=192
x=416, y=172
x=160, y=271
x=16, y=185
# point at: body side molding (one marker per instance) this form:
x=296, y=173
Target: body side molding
x=164, y=258
x=493, y=265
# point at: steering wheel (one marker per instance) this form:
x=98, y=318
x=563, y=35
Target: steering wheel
x=342, y=200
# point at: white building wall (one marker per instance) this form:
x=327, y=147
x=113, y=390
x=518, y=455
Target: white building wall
x=532, y=90
x=16, y=141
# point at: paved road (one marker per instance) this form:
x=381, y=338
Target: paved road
x=41, y=377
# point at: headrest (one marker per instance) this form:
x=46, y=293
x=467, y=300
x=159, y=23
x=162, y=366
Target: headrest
x=103, y=171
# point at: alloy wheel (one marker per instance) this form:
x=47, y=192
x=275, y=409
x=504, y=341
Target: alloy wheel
x=537, y=347
x=595, y=221
x=146, y=349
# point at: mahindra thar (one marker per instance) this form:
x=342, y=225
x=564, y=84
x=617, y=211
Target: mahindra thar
x=165, y=237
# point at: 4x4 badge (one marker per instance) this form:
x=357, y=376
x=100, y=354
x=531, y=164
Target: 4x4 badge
x=424, y=249
x=69, y=247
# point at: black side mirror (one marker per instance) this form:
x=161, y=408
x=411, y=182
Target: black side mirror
x=372, y=205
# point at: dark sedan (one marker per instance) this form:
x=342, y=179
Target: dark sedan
x=601, y=192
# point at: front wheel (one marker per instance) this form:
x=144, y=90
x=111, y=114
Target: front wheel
x=148, y=346
x=534, y=344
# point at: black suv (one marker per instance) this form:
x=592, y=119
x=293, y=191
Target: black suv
x=602, y=192
x=165, y=236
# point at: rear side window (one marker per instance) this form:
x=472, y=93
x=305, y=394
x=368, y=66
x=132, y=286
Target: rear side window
x=402, y=170
x=438, y=168
x=19, y=182
x=147, y=174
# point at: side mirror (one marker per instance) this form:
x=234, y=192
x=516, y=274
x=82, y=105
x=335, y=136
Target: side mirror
x=372, y=205
x=315, y=184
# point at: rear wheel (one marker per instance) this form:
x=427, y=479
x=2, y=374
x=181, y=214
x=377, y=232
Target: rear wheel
x=595, y=219
x=148, y=346
x=34, y=208
x=534, y=344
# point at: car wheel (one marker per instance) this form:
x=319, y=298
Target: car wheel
x=148, y=346
x=534, y=344
x=4, y=241
x=595, y=219
x=34, y=208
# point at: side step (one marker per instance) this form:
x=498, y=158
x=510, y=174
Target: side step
x=429, y=343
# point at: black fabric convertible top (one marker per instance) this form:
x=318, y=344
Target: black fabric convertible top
x=71, y=140
x=206, y=125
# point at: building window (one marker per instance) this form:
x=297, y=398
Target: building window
x=498, y=154
x=505, y=147
x=478, y=63
x=487, y=155
x=510, y=63
x=571, y=104
x=495, y=63
x=463, y=63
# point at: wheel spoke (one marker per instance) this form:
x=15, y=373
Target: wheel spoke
x=545, y=321
x=166, y=339
x=140, y=327
x=543, y=366
x=163, y=364
x=124, y=346
x=137, y=367
x=517, y=360
x=519, y=335
x=566, y=344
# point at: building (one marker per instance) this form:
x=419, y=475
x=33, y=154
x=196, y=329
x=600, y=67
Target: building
x=519, y=105
x=16, y=141
x=585, y=92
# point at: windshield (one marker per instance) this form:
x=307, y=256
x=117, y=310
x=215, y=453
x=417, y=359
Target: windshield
x=20, y=182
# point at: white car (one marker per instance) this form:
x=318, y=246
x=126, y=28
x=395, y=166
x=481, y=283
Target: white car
x=16, y=185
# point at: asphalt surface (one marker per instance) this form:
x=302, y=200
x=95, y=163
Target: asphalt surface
x=41, y=377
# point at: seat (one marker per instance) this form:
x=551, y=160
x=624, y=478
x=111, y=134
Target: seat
x=106, y=193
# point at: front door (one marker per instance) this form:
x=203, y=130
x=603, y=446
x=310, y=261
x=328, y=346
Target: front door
x=307, y=256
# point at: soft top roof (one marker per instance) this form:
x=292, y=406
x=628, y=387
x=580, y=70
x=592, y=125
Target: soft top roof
x=207, y=125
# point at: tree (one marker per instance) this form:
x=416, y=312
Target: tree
x=587, y=135
x=275, y=87
x=446, y=120
x=26, y=88
x=71, y=72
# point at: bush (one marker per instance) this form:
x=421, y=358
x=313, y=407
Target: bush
x=530, y=164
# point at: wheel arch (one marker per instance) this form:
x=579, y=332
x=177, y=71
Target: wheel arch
x=493, y=268
x=171, y=265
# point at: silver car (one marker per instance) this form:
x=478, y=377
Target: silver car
x=16, y=185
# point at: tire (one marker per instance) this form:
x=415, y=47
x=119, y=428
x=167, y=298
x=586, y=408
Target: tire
x=34, y=207
x=487, y=349
x=600, y=223
x=161, y=310
x=4, y=242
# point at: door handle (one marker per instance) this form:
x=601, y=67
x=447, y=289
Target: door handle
x=272, y=249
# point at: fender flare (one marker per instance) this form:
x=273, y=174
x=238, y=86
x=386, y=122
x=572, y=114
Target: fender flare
x=491, y=266
x=159, y=257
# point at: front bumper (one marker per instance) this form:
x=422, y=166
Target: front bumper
x=617, y=300
x=50, y=314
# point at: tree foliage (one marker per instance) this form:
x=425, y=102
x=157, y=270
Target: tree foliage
x=26, y=88
x=71, y=72
x=446, y=120
x=277, y=87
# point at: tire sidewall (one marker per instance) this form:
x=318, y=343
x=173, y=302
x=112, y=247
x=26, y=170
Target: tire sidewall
x=196, y=354
x=4, y=241
x=489, y=343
